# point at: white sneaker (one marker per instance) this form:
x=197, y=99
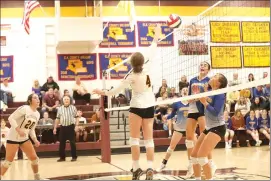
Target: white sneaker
x=190, y=171
x=37, y=176
x=226, y=145
x=162, y=167
x=213, y=167
x=230, y=145
x=258, y=143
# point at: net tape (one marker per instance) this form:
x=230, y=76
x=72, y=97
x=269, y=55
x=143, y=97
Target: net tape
x=205, y=94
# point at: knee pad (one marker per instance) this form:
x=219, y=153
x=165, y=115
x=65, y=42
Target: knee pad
x=194, y=160
x=189, y=143
x=149, y=143
x=35, y=162
x=169, y=150
x=134, y=141
x=203, y=161
x=6, y=164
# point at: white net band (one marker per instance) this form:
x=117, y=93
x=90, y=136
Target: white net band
x=205, y=94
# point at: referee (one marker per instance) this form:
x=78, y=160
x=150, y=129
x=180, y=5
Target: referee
x=67, y=118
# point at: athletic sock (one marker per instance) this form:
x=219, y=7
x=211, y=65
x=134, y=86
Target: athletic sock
x=170, y=132
x=135, y=165
x=150, y=164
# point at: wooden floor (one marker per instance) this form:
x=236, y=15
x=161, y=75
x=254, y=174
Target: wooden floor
x=235, y=164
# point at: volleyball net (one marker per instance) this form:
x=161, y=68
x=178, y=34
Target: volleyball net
x=232, y=36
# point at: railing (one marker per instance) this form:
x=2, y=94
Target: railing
x=124, y=119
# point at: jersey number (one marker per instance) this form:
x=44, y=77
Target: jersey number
x=148, y=81
x=29, y=125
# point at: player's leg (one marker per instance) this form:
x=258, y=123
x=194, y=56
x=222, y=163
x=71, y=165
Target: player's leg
x=226, y=138
x=231, y=137
x=147, y=127
x=194, y=159
x=176, y=137
x=11, y=150
x=30, y=152
x=208, y=144
x=257, y=137
x=135, y=123
x=265, y=133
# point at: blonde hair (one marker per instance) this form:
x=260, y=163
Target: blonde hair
x=34, y=85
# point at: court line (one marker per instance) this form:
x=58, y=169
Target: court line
x=113, y=165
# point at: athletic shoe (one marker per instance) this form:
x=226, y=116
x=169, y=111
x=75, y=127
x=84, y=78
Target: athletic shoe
x=162, y=167
x=213, y=167
x=37, y=176
x=137, y=174
x=190, y=171
x=258, y=143
x=149, y=174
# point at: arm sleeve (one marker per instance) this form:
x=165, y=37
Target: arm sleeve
x=13, y=118
x=124, y=84
x=173, y=113
x=218, y=105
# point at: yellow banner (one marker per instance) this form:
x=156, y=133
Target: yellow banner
x=256, y=32
x=226, y=57
x=225, y=31
x=256, y=56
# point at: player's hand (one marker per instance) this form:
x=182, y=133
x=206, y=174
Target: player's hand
x=54, y=131
x=37, y=143
x=203, y=100
x=157, y=32
x=98, y=91
x=20, y=132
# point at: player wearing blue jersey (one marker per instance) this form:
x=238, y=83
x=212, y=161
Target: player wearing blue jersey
x=215, y=127
x=264, y=124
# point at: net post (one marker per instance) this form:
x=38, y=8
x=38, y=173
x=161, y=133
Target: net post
x=105, y=131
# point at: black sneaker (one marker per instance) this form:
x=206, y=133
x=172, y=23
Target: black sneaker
x=137, y=174
x=149, y=174
x=61, y=160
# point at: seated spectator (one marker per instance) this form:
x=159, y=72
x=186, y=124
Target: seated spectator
x=265, y=74
x=96, y=117
x=172, y=93
x=163, y=107
x=161, y=92
x=246, y=93
x=238, y=125
x=183, y=83
x=251, y=77
x=50, y=83
x=258, y=92
x=232, y=98
x=251, y=127
x=235, y=80
x=167, y=123
x=50, y=102
x=80, y=92
x=243, y=104
x=4, y=133
x=47, y=134
x=258, y=104
x=7, y=93
x=264, y=124
x=266, y=91
x=229, y=132
x=67, y=93
x=36, y=89
x=81, y=129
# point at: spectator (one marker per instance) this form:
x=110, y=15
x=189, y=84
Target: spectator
x=266, y=92
x=164, y=84
x=183, y=83
x=258, y=92
x=50, y=102
x=36, y=89
x=81, y=129
x=50, y=83
x=4, y=133
x=163, y=107
x=258, y=104
x=251, y=127
x=232, y=98
x=229, y=132
x=161, y=92
x=47, y=134
x=67, y=93
x=235, y=80
x=172, y=93
x=6, y=91
x=80, y=92
x=96, y=117
x=265, y=74
x=251, y=77
x=243, y=104
x=238, y=125
x=264, y=124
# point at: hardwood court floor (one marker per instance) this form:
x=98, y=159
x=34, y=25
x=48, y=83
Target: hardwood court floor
x=235, y=164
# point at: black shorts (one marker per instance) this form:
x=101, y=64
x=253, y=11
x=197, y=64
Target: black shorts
x=182, y=132
x=219, y=130
x=16, y=142
x=195, y=116
x=144, y=113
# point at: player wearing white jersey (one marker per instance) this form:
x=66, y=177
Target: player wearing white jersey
x=4, y=133
x=23, y=122
x=141, y=105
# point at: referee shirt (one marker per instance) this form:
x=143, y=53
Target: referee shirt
x=67, y=115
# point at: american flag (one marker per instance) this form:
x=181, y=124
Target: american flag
x=29, y=6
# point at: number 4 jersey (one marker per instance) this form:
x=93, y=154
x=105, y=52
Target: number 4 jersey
x=26, y=119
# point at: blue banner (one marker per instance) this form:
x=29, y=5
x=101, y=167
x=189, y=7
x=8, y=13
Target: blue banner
x=118, y=35
x=82, y=65
x=109, y=60
x=6, y=68
x=146, y=33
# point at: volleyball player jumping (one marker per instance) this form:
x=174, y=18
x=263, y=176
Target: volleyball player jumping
x=181, y=110
x=23, y=122
x=215, y=127
x=141, y=106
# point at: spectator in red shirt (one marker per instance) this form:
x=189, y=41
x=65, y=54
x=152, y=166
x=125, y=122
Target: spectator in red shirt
x=50, y=102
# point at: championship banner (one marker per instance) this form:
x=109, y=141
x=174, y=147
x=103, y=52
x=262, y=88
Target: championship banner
x=256, y=56
x=6, y=68
x=225, y=31
x=146, y=33
x=118, y=35
x=72, y=65
x=256, y=32
x=109, y=60
x=226, y=57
